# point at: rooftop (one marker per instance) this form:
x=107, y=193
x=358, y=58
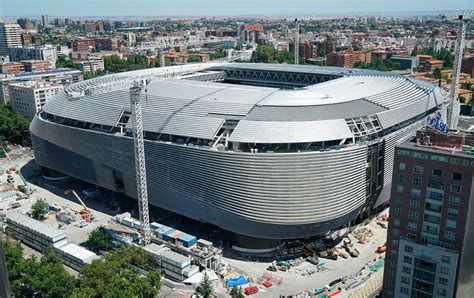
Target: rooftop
x=35, y=225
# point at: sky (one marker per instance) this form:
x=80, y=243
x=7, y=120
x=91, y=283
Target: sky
x=34, y=8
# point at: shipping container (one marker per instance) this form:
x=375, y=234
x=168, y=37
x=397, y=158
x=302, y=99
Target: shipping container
x=166, y=235
x=163, y=230
x=187, y=240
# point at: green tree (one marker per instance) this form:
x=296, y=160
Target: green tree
x=39, y=209
x=205, y=288
x=437, y=73
x=99, y=239
x=14, y=259
x=14, y=127
x=237, y=292
x=46, y=278
x=63, y=61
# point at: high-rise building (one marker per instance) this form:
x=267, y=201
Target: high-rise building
x=46, y=52
x=67, y=21
x=29, y=97
x=89, y=27
x=91, y=65
x=44, y=20
x=10, y=36
x=431, y=222
x=25, y=23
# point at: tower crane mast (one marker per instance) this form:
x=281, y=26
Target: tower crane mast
x=453, y=112
x=297, y=42
x=140, y=166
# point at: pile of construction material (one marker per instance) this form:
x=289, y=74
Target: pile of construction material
x=363, y=235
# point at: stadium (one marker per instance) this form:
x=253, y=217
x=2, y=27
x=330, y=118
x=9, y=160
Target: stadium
x=267, y=152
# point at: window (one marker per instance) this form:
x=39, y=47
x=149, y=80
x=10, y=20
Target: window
x=420, y=155
x=396, y=221
x=396, y=232
x=418, y=169
x=412, y=214
x=453, y=212
x=441, y=292
x=406, y=269
x=449, y=235
x=455, y=188
x=405, y=280
x=407, y=259
x=444, y=270
x=439, y=158
x=451, y=224
x=417, y=180
x=400, y=189
x=401, y=178
x=454, y=200
x=437, y=173
x=394, y=243
x=445, y=259
x=432, y=195
x=411, y=236
x=398, y=200
x=408, y=248
x=416, y=193
x=414, y=203
x=435, y=184
x=457, y=176
x=394, y=253
x=402, y=166
x=403, y=152
x=412, y=226
x=397, y=211
x=404, y=290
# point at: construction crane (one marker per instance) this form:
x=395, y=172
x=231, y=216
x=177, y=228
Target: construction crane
x=297, y=42
x=140, y=166
x=85, y=212
x=453, y=112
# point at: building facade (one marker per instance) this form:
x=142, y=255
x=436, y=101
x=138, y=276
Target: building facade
x=346, y=58
x=47, y=53
x=29, y=97
x=91, y=65
x=429, y=238
x=10, y=36
x=63, y=76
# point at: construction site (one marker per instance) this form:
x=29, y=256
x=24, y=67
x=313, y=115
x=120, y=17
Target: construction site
x=77, y=208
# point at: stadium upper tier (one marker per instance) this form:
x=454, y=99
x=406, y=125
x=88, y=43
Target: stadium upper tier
x=192, y=108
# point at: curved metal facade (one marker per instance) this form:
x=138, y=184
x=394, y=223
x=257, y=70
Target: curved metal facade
x=265, y=195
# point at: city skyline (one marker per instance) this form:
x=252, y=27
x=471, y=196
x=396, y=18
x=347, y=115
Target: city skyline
x=89, y=8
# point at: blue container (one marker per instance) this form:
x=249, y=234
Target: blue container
x=161, y=231
x=167, y=235
x=187, y=240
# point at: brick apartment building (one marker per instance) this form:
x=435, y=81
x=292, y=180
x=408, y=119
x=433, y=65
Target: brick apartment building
x=431, y=226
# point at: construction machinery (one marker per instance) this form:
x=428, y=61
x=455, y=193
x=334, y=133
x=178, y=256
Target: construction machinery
x=453, y=112
x=85, y=213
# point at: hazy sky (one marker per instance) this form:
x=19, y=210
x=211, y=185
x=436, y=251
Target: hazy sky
x=222, y=7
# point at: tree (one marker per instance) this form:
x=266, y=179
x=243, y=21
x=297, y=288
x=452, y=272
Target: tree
x=99, y=239
x=237, y=292
x=205, y=288
x=14, y=259
x=39, y=209
x=63, y=61
x=437, y=73
x=46, y=278
x=14, y=127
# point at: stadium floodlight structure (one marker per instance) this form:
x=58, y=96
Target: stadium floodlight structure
x=453, y=113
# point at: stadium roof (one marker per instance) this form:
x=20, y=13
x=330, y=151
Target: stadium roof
x=193, y=108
